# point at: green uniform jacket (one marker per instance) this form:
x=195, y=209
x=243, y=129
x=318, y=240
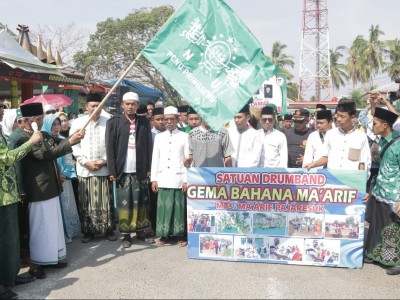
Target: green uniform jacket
x=40, y=177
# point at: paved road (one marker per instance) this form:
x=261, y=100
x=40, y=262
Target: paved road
x=102, y=270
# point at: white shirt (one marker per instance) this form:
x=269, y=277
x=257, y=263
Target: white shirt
x=169, y=153
x=247, y=147
x=274, y=152
x=314, y=148
x=91, y=147
x=346, y=150
x=130, y=161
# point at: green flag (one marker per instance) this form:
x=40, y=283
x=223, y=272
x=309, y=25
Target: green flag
x=211, y=59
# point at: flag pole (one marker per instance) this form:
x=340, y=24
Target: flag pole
x=116, y=84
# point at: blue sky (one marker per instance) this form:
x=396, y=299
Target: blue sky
x=269, y=20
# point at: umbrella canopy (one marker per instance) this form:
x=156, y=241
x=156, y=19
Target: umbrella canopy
x=57, y=100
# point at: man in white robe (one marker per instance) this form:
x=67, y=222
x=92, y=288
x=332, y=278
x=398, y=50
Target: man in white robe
x=274, y=151
x=245, y=141
x=345, y=147
x=168, y=178
x=315, y=142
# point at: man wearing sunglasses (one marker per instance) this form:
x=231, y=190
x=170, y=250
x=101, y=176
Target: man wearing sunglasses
x=49, y=109
x=274, y=152
x=297, y=137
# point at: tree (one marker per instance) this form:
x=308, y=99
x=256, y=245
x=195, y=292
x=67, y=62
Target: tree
x=117, y=42
x=356, y=68
x=281, y=59
x=375, y=49
x=338, y=70
x=393, y=67
x=67, y=39
x=366, y=56
x=358, y=98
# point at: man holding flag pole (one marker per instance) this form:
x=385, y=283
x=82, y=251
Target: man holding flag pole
x=209, y=57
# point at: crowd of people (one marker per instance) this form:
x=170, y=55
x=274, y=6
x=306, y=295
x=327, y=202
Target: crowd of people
x=83, y=175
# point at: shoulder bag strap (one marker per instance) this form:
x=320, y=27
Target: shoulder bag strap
x=387, y=146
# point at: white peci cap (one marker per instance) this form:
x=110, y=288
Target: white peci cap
x=170, y=110
x=130, y=96
x=48, y=107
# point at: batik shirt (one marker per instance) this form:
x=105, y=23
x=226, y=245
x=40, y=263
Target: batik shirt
x=209, y=147
x=387, y=187
x=8, y=184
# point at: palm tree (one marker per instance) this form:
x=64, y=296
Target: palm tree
x=374, y=49
x=338, y=70
x=393, y=67
x=366, y=56
x=357, y=69
x=281, y=59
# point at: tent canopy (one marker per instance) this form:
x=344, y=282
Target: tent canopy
x=145, y=93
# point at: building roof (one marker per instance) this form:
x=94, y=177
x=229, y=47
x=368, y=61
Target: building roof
x=15, y=56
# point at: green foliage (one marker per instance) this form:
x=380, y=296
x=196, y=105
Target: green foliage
x=358, y=98
x=292, y=91
x=281, y=59
x=338, y=70
x=393, y=67
x=117, y=42
x=366, y=56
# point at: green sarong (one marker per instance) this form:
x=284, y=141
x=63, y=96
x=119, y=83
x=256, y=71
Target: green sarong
x=170, y=213
x=133, y=203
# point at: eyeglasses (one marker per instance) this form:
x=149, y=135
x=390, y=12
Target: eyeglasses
x=23, y=120
x=265, y=120
x=50, y=112
x=299, y=121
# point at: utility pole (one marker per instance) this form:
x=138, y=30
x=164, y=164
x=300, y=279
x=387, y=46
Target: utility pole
x=314, y=76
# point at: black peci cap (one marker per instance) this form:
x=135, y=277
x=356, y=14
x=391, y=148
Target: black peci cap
x=158, y=111
x=324, y=114
x=93, y=97
x=385, y=115
x=31, y=109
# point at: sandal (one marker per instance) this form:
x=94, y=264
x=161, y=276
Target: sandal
x=147, y=237
x=182, y=243
x=160, y=241
x=127, y=241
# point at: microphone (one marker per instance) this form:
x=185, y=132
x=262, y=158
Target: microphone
x=35, y=126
